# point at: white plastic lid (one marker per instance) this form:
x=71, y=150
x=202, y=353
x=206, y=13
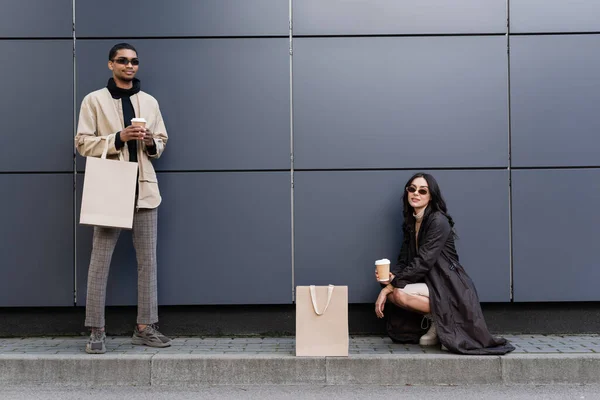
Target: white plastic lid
x=138, y=120
x=382, y=261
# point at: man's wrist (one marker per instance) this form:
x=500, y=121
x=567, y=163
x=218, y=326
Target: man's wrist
x=119, y=143
x=151, y=149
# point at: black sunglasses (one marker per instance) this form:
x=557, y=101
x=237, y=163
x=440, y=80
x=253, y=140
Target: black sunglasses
x=125, y=61
x=422, y=191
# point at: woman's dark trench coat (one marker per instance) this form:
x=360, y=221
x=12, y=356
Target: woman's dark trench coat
x=453, y=298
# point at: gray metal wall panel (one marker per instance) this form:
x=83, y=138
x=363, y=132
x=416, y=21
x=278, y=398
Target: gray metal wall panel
x=346, y=220
x=380, y=102
x=36, y=240
x=357, y=17
x=182, y=18
x=555, y=237
x=211, y=222
x=41, y=107
x=36, y=18
x=226, y=107
x=530, y=16
x=225, y=229
x=555, y=94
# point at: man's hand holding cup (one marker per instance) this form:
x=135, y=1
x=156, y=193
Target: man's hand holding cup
x=147, y=135
x=132, y=132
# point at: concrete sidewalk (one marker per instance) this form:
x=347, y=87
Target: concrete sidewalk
x=538, y=359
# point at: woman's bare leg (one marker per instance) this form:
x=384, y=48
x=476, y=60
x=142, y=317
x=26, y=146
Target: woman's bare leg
x=391, y=299
x=410, y=302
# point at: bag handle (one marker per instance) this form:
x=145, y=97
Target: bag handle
x=105, y=152
x=313, y=297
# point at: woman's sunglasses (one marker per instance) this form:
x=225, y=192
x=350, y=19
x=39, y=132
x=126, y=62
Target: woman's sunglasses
x=422, y=191
x=125, y=61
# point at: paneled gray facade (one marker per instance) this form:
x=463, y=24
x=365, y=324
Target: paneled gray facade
x=226, y=105
x=555, y=235
x=215, y=230
x=36, y=240
x=36, y=105
x=345, y=220
x=376, y=17
x=382, y=102
x=182, y=18
x=555, y=92
x=531, y=16
x=381, y=88
x=36, y=19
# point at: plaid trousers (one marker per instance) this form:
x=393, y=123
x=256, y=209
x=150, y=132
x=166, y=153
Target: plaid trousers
x=144, y=234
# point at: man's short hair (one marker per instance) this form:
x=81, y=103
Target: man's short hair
x=113, y=52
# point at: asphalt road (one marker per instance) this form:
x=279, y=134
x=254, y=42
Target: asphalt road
x=546, y=392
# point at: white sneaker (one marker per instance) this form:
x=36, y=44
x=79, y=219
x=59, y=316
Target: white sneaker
x=430, y=338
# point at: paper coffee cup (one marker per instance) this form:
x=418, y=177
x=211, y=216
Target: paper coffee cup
x=138, y=122
x=383, y=269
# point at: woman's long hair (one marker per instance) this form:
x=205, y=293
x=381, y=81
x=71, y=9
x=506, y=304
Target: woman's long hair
x=436, y=203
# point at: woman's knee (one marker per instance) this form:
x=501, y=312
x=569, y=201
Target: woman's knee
x=400, y=297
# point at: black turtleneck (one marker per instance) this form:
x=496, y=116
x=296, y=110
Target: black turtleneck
x=128, y=113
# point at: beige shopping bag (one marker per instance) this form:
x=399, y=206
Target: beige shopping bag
x=322, y=321
x=108, y=191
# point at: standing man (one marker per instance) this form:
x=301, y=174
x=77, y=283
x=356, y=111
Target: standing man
x=109, y=111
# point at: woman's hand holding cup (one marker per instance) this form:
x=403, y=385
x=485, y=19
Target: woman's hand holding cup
x=382, y=271
x=384, y=282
